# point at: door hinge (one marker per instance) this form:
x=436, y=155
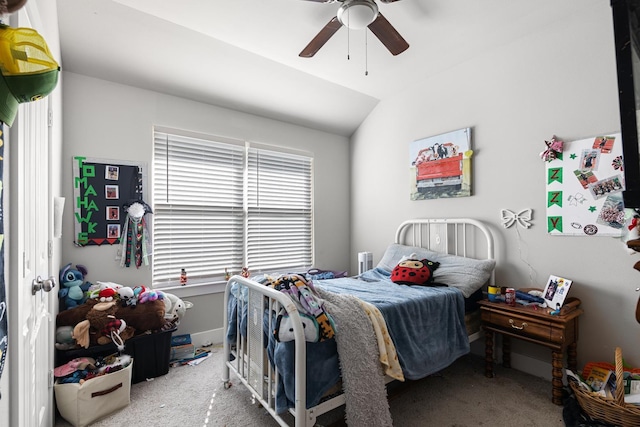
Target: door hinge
x=51, y=378
x=50, y=118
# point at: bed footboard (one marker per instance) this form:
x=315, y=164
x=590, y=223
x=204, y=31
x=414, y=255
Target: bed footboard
x=250, y=363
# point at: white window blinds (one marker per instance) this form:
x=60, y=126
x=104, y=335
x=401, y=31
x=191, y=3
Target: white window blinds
x=221, y=204
x=279, y=211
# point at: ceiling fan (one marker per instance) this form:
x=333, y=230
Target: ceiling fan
x=358, y=14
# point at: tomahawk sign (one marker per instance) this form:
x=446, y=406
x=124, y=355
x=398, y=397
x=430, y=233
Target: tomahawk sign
x=85, y=200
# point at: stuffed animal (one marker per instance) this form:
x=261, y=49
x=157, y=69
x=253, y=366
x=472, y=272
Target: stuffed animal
x=175, y=308
x=144, y=317
x=72, y=286
x=138, y=318
x=104, y=291
x=101, y=326
x=414, y=271
x=150, y=295
x=127, y=297
x=65, y=339
x=138, y=290
x=107, y=294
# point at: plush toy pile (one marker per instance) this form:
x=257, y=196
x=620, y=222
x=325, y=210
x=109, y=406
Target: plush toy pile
x=108, y=312
x=98, y=322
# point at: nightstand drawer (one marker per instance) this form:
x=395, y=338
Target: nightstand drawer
x=522, y=326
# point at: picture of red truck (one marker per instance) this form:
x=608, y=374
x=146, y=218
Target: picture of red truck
x=439, y=166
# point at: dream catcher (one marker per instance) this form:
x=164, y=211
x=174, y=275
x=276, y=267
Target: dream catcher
x=135, y=235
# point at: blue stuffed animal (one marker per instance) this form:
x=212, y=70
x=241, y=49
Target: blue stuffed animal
x=72, y=286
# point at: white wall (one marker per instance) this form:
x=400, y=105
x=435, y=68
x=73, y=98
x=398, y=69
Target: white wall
x=558, y=80
x=111, y=121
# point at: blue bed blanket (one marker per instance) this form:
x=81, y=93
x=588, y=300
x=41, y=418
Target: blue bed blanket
x=426, y=325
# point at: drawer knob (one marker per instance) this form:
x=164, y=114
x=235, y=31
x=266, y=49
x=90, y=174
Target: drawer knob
x=513, y=324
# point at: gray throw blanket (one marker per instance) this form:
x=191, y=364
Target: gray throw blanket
x=362, y=374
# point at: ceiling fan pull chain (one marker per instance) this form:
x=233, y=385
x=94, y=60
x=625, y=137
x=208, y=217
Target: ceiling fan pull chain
x=348, y=42
x=366, y=54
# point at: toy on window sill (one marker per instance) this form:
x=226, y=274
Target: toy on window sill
x=72, y=286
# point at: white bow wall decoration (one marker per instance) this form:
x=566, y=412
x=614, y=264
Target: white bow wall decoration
x=522, y=218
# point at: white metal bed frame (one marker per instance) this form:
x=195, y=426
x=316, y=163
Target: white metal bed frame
x=460, y=236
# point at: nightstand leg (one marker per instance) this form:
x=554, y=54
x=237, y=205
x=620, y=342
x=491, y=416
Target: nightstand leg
x=556, y=373
x=572, y=356
x=506, y=351
x=488, y=354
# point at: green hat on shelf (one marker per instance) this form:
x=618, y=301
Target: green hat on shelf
x=29, y=71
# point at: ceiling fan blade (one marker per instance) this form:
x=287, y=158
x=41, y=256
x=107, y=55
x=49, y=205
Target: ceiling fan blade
x=321, y=38
x=388, y=35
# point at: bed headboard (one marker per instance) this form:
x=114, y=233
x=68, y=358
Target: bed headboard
x=464, y=237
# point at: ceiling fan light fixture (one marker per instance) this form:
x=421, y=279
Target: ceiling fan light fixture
x=357, y=14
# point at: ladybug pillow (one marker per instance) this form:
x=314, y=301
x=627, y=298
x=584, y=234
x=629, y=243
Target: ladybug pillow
x=414, y=271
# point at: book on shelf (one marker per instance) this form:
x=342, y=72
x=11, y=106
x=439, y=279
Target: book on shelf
x=598, y=378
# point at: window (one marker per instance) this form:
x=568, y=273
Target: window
x=222, y=204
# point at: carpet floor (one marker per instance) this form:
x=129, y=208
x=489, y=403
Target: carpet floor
x=458, y=396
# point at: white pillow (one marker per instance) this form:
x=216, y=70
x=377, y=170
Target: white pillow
x=466, y=274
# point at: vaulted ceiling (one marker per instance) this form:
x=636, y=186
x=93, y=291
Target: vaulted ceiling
x=243, y=54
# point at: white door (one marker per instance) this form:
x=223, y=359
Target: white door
x=30, y=350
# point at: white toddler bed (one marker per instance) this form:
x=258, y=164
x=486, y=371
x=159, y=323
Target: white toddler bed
x=300, y=376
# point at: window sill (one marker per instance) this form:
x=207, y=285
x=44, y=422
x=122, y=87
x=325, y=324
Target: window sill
x=186, y=291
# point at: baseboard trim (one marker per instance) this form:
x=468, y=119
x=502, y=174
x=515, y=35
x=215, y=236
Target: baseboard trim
x=521, y=362
x=212, y=336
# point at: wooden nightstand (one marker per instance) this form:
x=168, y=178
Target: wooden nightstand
x=558, y=332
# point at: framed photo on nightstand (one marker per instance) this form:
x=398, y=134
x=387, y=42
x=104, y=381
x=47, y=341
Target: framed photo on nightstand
x=556, y=291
